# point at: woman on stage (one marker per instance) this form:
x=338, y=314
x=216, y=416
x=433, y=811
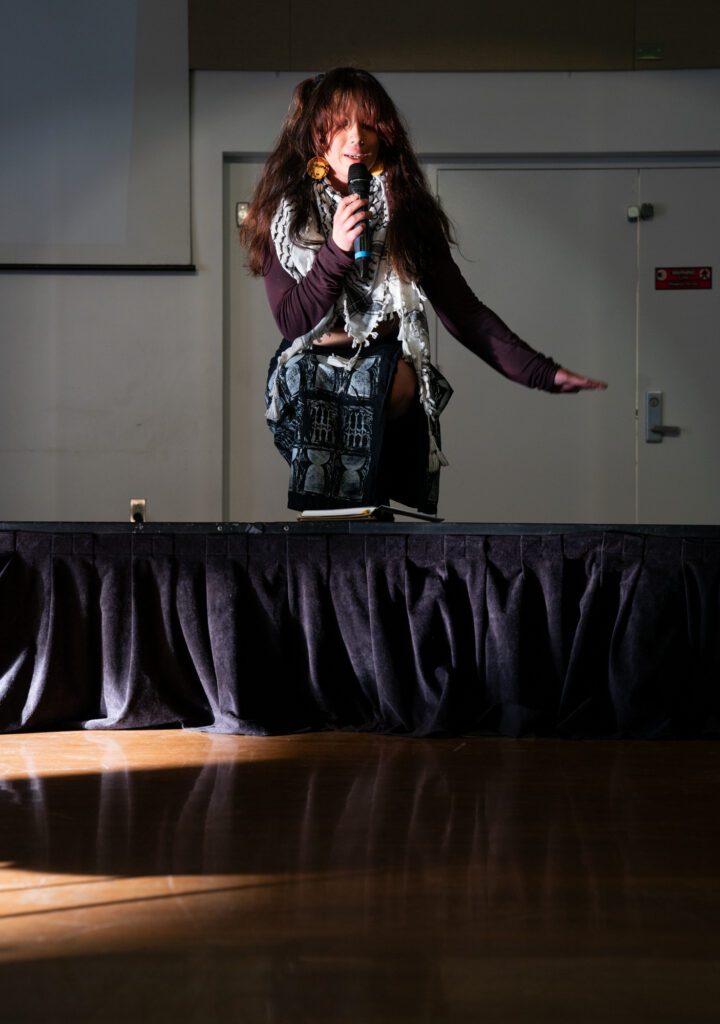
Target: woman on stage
x=353, y=399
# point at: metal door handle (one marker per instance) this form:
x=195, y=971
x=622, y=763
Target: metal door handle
x=655, y=429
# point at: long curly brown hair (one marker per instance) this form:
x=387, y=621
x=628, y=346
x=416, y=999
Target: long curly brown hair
x=417, y=222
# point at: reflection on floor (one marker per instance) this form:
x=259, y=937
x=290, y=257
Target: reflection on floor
x=158, y=876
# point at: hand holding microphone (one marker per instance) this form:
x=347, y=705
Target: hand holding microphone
x=349, y=222
x=359, y=185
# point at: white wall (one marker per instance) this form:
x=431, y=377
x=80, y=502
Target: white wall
x=113, y=384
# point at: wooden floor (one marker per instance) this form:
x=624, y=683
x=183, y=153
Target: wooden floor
x=177, y=876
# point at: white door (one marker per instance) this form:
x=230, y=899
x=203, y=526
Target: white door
x=550, y=251
x=679, y=346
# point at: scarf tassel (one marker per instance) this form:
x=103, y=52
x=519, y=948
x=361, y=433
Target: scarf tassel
x=436, y=459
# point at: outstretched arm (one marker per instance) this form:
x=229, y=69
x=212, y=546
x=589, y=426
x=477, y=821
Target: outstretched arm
x=476, y=326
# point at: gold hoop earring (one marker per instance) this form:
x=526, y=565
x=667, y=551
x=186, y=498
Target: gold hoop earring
x=317, y=168
x=377, y=168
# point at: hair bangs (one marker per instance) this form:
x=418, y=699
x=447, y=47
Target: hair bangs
x=356, y=98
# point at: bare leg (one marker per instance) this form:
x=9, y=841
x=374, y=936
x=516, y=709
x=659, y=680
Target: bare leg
x=402, y=390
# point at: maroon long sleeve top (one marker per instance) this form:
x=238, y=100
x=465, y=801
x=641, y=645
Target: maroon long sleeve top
x=299, y=305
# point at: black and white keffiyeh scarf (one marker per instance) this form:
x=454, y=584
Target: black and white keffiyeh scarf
x=365, y=301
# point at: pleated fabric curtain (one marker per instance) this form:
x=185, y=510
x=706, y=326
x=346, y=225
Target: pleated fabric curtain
x=598, y=634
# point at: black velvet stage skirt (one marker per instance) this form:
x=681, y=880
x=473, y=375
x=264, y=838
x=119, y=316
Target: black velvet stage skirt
x=333, y=433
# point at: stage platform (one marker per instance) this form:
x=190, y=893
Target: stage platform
x=576, y=631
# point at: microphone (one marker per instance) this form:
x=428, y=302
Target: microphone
x=359, y=185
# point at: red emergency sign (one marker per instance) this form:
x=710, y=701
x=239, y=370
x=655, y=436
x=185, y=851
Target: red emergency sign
x=676, y=278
